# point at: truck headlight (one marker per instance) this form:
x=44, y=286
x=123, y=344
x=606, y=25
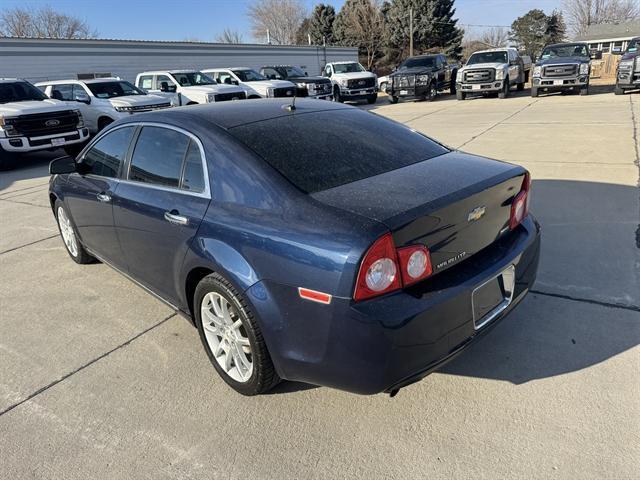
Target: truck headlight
x=500, y=74
x=343, y=82
x=304, y=85
x=423, y=79
x=537, y=70
x=270, y=92
x=584, y=69
x=6, y=124
x=211, y=97
x=626, y=65
x=80, y=119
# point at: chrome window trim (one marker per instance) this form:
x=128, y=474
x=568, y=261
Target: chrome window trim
x=124, y=176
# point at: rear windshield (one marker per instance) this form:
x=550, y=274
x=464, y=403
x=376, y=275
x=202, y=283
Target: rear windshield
x=318, y=151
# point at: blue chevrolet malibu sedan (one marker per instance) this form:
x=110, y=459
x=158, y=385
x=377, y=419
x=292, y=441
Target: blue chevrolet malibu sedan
x=312, y=242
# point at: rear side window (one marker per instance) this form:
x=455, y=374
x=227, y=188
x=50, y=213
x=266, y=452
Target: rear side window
x=322, y=150
x=146, y=82
x=158, y=156
x=106, y=157
x=193, y=177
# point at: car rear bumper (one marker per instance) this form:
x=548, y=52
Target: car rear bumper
x=388, y=342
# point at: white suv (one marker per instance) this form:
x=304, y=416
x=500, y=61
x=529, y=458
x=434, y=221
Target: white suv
x=187, y=87
x=30, y=121
x=103, y=100
x=351, y=82
x=253, y=83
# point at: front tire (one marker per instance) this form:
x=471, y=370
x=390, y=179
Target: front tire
x=452, y=85
x=70, y=237
x=504, y=93
x=584, y=90
x=383, y=87
x=534, y=92
x=336, y=95
x=461, y=95
x=520, y=87
x=432, y=93
x=618, y=90
x=371, y=99
x=232, y=338
x=7, y=160
x=393, y=99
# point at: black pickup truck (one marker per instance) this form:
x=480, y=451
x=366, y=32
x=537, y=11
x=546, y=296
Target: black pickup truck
x=313, y=87
x=422, y=77
x=628, y=73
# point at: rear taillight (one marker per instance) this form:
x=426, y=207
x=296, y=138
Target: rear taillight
x=385, y=269
x=520, y=204
x=415, y=263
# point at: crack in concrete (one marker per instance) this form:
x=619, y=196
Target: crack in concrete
x=23, y=203
x=498, y=123
x=29, y=244
x=85, y=365
x=633, y=308
x=40, y=185
x=637, y=162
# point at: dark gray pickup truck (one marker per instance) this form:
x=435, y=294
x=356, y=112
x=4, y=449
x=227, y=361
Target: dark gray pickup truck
x=422, y=77
x=562, y=67
x=628, y=74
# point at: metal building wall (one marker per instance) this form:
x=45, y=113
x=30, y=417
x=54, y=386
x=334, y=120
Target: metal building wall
x=44, y=59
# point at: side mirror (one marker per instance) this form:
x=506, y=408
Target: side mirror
x=165, y=87
x=63, y=165
x=82, y=98
x=235, y=82
x=597, y=55
x=306, y=74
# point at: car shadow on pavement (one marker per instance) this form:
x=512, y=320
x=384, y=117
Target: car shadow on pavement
x=590, y=253
x=34, y=165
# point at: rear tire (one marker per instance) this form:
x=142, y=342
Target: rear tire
x=254, y=372
x=69, y=235
x=8, y=160
x=618, y=90
x=461, y=95
x=534, y=92
x=504, y=93
x=371, y=99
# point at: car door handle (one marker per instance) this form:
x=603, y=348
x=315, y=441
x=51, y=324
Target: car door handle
x=175, y=218
x=103, y=197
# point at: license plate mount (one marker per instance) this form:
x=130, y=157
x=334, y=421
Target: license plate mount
x=558, y=82
x=58, y=141
x=492, y=297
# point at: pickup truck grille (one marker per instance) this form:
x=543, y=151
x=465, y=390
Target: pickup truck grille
x=41, y=124
x=225, y=97
x=404, y=81
x=637, y=64
x=552, y=71
x=361, y=83
x=284, y=92
x=483, y=75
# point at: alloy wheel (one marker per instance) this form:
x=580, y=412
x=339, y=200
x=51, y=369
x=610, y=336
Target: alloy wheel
x=227, y=337
x=68, y=234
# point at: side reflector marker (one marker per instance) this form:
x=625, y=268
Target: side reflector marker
x=314, y=295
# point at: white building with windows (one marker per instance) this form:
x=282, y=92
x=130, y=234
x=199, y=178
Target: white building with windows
x=39, y=60
x=610, y=38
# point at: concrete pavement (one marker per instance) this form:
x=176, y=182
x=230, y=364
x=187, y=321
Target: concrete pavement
x=100, y=380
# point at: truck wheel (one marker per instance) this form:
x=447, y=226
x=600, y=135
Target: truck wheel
x=520, y=87
x=584, y=90
x=526, y=77
x=534, y=92
x=103, y=122
x=461, y=95
x=336, y=95
x=393, y=99
x=383, y=87
x=452, y=86
x=7, y=160
x=618, y=90
x=371, y=99
x=432, y=93
x=504, y=93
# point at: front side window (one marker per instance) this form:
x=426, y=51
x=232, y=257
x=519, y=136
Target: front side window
x=633, y=45
x=191, y=79
x=348, y=67
x=249, y=75
x=160, y=79
x=107, y=155
x=62, y=92
x=294, y=72
x=271, y=73
x=113, y=89
x=158, y=156
x=488, y=57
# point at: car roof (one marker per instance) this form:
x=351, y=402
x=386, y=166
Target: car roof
x=11, y=80
x=501, y=49
x=345, y=61
x=563, y=44
x=162, y=72
x=75, y=80
x=228, y=115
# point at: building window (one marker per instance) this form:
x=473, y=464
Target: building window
x=617, y=47
x=593, y=46
x=606, y=47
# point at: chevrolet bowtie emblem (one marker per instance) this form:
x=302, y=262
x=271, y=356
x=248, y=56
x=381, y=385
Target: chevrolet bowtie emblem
x=476, y=214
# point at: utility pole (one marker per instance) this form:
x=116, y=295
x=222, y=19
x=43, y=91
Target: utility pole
x=411, y=31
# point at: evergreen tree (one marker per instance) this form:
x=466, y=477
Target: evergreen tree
x=302, y=34
x=434, y=26
x=321, y=24
x=556, y=28
x=535, y=29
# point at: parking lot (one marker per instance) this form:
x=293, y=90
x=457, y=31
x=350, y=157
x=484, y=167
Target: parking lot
x=98, y=379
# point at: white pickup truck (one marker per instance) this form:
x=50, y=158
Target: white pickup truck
x=493, y=71
x=254, y=84
x=187, y=87
x=103, y=100
x=351, y=82
x=29, y=121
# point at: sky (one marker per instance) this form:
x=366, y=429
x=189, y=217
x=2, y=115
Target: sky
x=205, y=19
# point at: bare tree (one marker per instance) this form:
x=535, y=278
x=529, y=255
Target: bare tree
x=229, y=36
x=583, y=13
x=281, y=18
x=495, y=37
x=44, y=22
x=360, y=23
